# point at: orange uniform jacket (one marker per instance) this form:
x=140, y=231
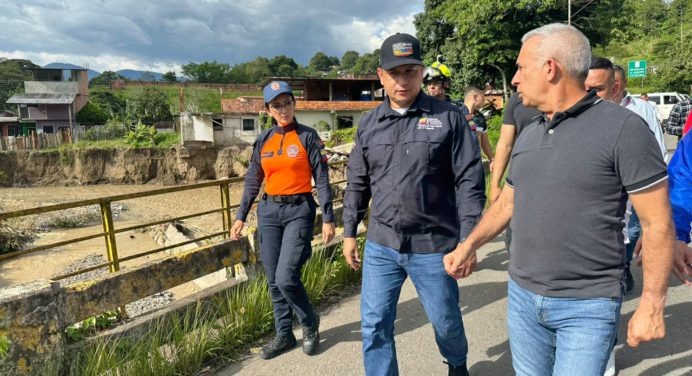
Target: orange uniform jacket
x=286, y=159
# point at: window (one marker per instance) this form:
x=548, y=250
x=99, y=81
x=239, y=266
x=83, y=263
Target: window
x=670, y=99
x=248, y=125
x=217, y=124
x=48, y=129
x=655, y=99
x=344, y=122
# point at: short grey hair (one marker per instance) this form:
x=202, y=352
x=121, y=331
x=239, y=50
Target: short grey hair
x=567, y=45
x=618, y=69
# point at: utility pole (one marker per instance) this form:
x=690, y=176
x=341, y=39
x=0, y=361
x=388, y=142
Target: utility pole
x=681, y=9
x=569, y=12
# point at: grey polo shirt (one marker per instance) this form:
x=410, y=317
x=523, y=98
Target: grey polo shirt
x=571, y=178
x=518, y=115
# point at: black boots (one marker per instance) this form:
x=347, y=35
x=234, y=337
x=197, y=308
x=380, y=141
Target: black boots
x=458, y=370
x=311, y=337
x=278, y=345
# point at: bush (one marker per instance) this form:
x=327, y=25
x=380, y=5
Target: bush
x=113, y=130
x=165, y=140
x=91, y=114
x=494, y=124
x=322, y=126
x=265, y=121
x=342, y=136
x=141, y=137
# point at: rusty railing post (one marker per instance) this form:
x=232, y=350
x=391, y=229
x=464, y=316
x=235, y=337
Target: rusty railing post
x=109, y=229
x=111, y=246
x=226, y=206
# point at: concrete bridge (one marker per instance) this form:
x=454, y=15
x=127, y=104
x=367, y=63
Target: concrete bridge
x=483, y=304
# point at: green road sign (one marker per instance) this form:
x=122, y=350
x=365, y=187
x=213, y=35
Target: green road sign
x=636, y=69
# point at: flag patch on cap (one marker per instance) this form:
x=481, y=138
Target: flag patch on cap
x=402, y=49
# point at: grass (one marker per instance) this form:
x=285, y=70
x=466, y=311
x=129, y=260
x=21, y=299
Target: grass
x=185, y=343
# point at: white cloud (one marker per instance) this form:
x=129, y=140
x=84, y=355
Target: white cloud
x=163, y=35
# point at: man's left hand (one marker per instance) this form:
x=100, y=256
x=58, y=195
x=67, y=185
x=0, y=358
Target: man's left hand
x=647, y=322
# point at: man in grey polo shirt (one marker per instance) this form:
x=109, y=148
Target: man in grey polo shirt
x=569, y=179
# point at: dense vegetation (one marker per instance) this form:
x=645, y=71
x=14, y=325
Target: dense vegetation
x=481, y=39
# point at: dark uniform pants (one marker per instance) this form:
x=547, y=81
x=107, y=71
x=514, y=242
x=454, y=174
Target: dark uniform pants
x=285, y=232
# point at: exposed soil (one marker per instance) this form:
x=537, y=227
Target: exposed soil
x=120, y=166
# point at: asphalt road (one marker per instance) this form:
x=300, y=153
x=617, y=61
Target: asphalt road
x=483, y=304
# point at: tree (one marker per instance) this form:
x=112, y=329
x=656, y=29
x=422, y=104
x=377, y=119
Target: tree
x=320, y=62
x=348, y=61
x=481, y=40
x=13, y=73
x=106, y=77
x=282, y=66
x=169, y=77
x=151, y=106
x=368, y=63
x=208, y=72
x=91, y=114
x=108, y=102
x=251, y=72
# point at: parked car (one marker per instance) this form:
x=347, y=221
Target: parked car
x=664, y=101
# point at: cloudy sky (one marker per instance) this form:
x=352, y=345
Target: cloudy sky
x=161, y=35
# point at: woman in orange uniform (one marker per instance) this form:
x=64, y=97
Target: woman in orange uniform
x=287, y=157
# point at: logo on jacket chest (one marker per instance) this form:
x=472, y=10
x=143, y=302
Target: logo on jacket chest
x=292, y=151
x=429, y=123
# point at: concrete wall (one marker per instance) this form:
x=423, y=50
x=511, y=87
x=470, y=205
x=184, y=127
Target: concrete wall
x=33, y=316
x=46, y=87
x=196, y=128
x=311, y=118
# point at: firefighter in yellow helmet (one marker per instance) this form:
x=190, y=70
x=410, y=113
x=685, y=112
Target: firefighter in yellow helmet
x=436, y=80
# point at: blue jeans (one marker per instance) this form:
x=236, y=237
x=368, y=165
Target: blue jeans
x=384, y=272
x=560, y=336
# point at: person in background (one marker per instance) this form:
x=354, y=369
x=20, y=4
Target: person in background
x=515, y=118
x=286, y=158
x=610, y=83
x=645, y=97
x=474, y=98
x=436, y=80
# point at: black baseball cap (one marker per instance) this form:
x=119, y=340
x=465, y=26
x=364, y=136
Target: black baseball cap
x=400, y=49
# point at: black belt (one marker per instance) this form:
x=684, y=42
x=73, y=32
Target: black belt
x=290, y=199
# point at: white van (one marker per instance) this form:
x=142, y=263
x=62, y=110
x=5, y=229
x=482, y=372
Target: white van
x=664, y=101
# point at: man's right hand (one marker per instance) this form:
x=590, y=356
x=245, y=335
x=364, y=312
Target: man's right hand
x=351, y=253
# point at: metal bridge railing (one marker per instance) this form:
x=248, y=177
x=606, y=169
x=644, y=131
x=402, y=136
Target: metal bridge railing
x=110, y=230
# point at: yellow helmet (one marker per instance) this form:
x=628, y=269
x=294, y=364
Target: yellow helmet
x=437, y=71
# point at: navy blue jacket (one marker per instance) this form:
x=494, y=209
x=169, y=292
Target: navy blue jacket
x=423, y=172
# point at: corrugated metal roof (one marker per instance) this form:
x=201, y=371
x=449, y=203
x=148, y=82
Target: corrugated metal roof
x=36, y=98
